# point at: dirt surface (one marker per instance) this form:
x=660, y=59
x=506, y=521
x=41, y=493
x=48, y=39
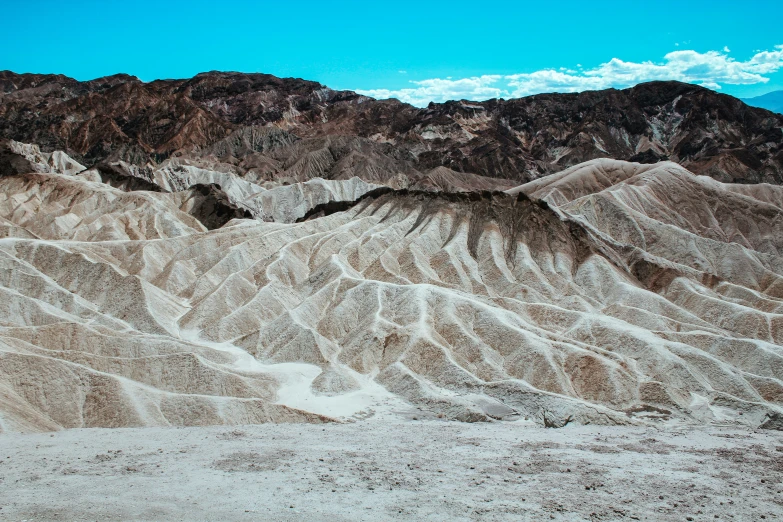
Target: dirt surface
x=408, y=470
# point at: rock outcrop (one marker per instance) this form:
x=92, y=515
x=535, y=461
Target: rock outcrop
x=272, y=128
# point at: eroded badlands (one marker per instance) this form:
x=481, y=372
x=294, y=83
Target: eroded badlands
x=610, y=293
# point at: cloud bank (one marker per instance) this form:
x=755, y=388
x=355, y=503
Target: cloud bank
x=711, y=69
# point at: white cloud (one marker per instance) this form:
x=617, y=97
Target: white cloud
x=711, y=69
x=436, y=89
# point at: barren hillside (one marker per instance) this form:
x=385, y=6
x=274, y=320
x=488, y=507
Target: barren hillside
x=609, y=293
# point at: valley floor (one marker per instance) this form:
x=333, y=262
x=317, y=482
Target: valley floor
x=424, y=469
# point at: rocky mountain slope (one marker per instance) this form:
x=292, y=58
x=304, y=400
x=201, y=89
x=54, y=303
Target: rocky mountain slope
x=175, y=294
x=269, y=128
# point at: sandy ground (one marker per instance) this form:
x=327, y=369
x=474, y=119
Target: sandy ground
x=408, y=469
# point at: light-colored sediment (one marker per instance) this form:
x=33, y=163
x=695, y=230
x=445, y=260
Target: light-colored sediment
x=639, y=294
x=396, y=470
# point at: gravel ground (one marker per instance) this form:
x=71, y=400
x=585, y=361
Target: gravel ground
x=411, y=470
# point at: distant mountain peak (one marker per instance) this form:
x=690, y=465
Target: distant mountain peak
x=772, y=101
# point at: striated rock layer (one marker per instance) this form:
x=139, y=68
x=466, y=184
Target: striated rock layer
x=611, y=293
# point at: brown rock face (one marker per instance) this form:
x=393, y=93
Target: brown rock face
x=229, y=118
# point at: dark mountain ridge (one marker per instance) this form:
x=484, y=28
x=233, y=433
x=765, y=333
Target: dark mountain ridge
x=337, y=134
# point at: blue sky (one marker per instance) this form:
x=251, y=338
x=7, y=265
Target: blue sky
x=417, y=51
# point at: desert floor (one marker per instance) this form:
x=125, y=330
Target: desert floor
x=422, y=469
